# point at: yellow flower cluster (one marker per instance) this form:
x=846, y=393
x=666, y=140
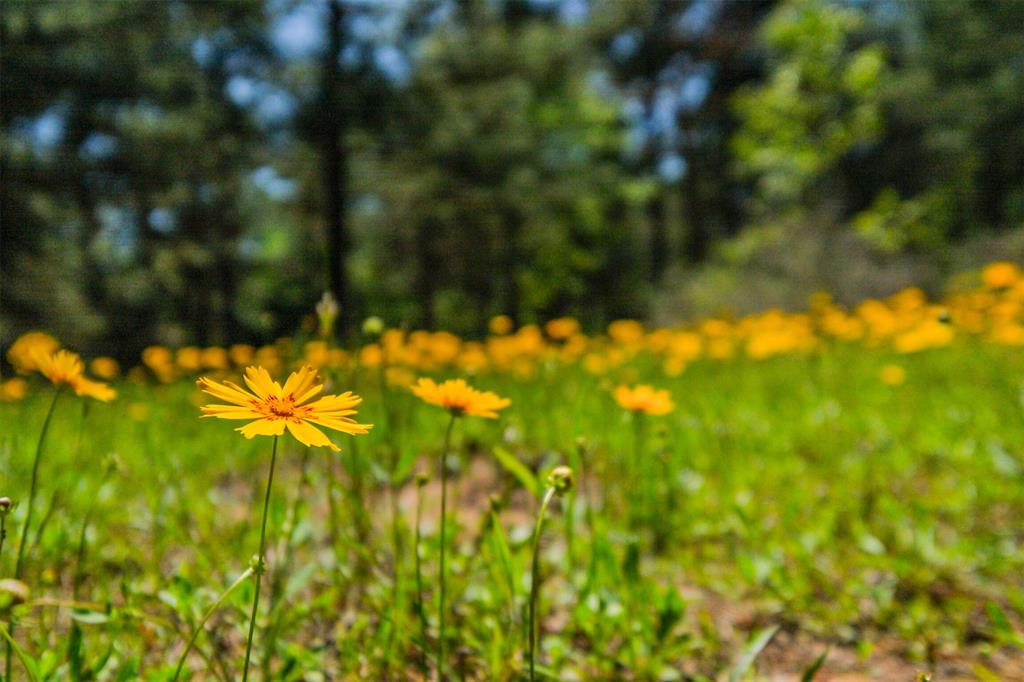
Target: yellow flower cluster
x=906, y=322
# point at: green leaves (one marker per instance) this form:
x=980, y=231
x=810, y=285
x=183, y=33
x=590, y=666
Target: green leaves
x=520, y=471
x=758, y=641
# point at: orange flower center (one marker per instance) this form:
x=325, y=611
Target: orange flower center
x=280, y=407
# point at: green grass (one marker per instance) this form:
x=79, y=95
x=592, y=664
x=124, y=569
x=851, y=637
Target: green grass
x=797, y=492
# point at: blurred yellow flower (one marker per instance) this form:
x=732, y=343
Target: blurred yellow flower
x=1000, y=275
x=893, y=375
x=500, y=325
x=644, y=399
x=20, y=354
x=105, y=368
x=13, y=389
x=274, y=407
x=65, y=367
x=562, y=328
x=459, y=398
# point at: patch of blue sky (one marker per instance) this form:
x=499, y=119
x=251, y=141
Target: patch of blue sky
x=672, y=167
x=698, y=17
x=273, y=184
x=98, y=146
x=162, y=220
x=393, y=64
x=298, y=31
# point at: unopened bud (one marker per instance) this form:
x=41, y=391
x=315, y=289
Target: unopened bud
x=373, y=326
x=327, y=312
x=561, y=479
x=6, y=504
x=13, y=592
x=258, y=565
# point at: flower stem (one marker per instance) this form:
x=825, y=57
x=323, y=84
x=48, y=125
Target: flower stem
x=3, y=532
x=209, y=612
x=420, y=611
x=28, y=522
x=33, y=487
x=444, y=511
x=535, y=577
x=260, y=564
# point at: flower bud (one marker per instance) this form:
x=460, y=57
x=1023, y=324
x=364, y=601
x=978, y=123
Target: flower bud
x=258, y=566
x=327, y=311
x=373, y=326
x=6, y=504
x=561, y=479
x=13, y=592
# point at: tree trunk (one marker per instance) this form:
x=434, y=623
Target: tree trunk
x=334, y=163
x=659, y=238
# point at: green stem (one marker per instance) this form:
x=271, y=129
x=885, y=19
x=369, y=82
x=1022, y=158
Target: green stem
x=33, y=486
x=206, y=616
x=282, y=568
x=11, y=644
x=444, y=511
x=3, y=531
x=260, y=564
x=28, y=522
x=420, y=611
x=535, y=578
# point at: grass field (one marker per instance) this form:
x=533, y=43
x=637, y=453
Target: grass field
x=835, y=488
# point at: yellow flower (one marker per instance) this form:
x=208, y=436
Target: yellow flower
x=500, y=325
x=13, y=389
x=459, y=398
x=273, y=407
x=1000, y=275
x=21, y=353
x=644, y=399
x=892, y=375
x=562, y=328
x=105, y=368
x=65, y=367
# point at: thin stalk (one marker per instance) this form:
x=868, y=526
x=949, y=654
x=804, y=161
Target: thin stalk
x=3, y=531
x=260, y=563
x=28, y=522
x=11, y=644
x=535, y=578
x=282, y=567
x=420, y=611
x=33, y=486
x=206, y=616
x=444, y=511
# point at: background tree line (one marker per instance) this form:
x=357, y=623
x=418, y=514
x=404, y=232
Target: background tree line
x=199, y=172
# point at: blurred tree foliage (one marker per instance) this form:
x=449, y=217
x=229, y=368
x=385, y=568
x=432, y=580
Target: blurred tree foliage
x=199, y=172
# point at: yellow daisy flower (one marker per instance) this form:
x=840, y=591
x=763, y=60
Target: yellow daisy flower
x=274, y=407
x=459, y=398
x=645, y=399
x=65, y=367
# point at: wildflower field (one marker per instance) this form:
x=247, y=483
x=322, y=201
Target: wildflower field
x=836, y=494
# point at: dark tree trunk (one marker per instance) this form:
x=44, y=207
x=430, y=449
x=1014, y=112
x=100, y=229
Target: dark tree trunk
x=334, y=163
x=659, y=238
x=698, y=239
x=509, y=259
x=427, y=270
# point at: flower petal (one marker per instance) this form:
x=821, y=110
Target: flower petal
x=258, y=379
x=230, y=412
x=307, y=434
x=263, y=427
x=227, y=391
